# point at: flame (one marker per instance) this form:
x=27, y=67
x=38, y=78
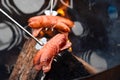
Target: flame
x=61, y=12
x=63, y=8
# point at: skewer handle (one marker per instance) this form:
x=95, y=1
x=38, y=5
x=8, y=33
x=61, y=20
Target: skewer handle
x=87, y=66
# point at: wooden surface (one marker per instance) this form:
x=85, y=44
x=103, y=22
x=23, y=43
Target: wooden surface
x=23, y=69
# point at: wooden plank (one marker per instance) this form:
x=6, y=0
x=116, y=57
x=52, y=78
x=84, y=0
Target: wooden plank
x=23, y=69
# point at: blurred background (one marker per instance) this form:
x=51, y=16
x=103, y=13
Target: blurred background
x=95, y=37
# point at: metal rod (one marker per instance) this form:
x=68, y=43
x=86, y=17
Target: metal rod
x=51, y=6
x=41, y=43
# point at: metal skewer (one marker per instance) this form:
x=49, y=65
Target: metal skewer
x=21, y=27
x=51, y=6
